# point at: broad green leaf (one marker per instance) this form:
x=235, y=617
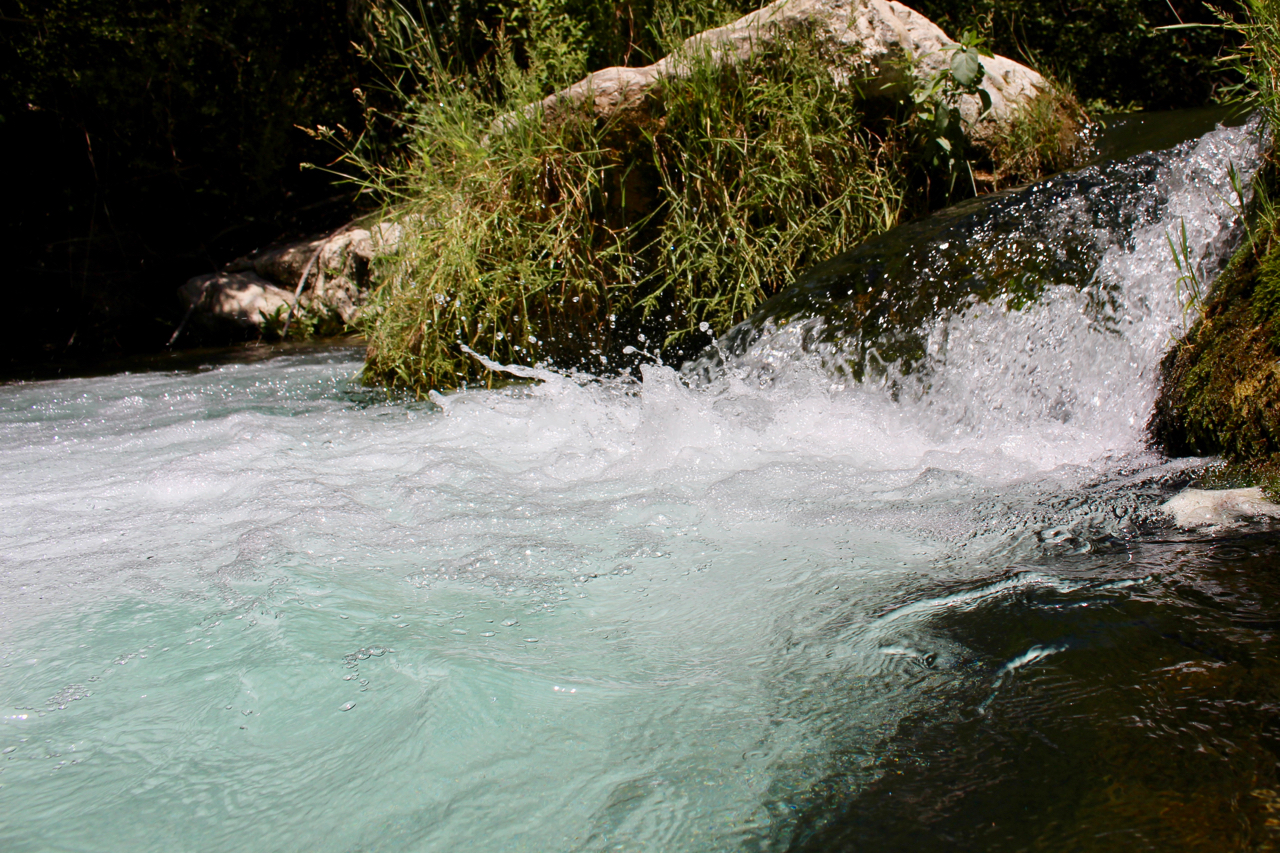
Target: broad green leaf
x=966, y=68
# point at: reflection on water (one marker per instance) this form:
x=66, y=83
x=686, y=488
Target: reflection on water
x=1140, y=716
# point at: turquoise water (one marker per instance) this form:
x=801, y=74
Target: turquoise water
x=252, y=607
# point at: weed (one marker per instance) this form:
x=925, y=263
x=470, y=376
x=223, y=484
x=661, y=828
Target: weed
x=1188, y=285
x=1044, y=136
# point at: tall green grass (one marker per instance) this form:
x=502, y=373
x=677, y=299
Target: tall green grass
x=571, y=241
x=1258, y=60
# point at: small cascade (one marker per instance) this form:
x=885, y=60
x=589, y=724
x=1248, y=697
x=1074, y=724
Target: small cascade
x=1052, y=302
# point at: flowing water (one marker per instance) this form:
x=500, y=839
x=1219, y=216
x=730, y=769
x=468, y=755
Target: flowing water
x=755, y=606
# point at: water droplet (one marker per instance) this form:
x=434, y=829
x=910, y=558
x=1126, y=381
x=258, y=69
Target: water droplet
x=510, y=623
x=457, y=631
x=7, y=750
x=488, y=633
x=531, y=639
x=348, y=706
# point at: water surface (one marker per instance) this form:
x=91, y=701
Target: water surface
x=255, y=608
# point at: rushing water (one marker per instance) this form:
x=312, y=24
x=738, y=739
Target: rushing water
x=253, y=608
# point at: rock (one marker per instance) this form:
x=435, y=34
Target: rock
x=284, y=264
x=386, y=237
x=882, y=39
x=241, y=299
x=259, y=283
x=1220, y=384
x=1204, y=507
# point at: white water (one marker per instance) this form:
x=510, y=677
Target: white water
x=244, y=611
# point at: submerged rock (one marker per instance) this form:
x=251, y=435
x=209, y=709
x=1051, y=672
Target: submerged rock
x=886, y=309
x=886, y=46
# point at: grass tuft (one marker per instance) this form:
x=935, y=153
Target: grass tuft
x=583, y=242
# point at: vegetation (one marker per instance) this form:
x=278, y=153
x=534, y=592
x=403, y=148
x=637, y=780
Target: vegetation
x=1221, y=392
x=157, y=139
x=573, y=241
x=1113, y=53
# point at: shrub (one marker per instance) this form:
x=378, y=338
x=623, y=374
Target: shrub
x=566, y=241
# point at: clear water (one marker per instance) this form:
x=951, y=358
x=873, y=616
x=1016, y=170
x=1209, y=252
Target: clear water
x=251, y=608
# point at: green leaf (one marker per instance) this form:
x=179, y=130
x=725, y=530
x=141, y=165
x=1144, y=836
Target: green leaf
x=985, y=97
x=966, y=68
x=946, y=146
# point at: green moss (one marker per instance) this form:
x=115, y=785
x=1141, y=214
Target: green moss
x=1221, y=383
x=1266, y=296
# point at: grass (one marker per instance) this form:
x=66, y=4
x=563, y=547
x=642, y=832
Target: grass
x=584, y=242
x=1044, y=137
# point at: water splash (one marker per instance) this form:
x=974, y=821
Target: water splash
x=1049, y=304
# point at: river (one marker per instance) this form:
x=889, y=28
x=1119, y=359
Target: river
x=757, y=605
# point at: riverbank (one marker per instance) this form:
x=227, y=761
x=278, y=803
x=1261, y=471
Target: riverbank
x=579, y=231
x=1220, y=392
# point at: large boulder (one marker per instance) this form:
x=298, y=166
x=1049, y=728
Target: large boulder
x=885, y=44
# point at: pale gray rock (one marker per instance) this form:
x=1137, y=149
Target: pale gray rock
x=284, y=264
x=337, y=269
x=243, y=299
x=884, y=42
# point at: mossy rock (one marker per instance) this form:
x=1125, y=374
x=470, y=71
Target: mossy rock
x=1220, y=390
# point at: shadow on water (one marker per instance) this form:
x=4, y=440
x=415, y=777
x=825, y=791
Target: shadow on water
x=1124, y=135
x=1142, y=717
x=192, y=360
